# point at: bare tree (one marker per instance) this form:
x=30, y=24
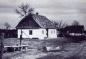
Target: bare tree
x=75, y=23
x=24, y=9
x=7, y=25
x=59, y=24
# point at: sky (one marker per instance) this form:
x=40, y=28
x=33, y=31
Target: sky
x=65, y=10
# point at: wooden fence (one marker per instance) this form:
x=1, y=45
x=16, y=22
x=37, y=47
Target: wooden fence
x=15, y=48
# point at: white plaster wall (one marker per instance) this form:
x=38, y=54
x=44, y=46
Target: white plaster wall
x=52, y=33
x=36, y=33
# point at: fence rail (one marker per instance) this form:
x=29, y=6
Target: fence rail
x=15, y=48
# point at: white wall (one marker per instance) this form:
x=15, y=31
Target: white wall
x=52, y=33
x=36, y=33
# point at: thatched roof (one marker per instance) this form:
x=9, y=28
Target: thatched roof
x=35, y=21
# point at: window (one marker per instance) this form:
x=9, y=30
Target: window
x=42, y=31
x=30, y=32
x=51, y=31
x=54, y=31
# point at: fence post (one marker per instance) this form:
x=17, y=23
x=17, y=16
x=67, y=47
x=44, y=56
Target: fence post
x=1, y=45
x=20, y=41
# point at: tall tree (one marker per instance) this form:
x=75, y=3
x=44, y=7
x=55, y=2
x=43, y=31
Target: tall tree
x=24, y=9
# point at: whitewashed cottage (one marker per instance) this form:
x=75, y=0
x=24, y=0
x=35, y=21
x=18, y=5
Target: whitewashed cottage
x=36, y=26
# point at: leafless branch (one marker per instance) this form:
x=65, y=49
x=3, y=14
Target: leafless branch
x=24, y=9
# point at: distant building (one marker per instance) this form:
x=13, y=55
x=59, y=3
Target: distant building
x=36, y=26
x=10, y=33
x=85, y=32
x=73, y=30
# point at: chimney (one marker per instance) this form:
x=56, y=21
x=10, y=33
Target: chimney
x=37, y=13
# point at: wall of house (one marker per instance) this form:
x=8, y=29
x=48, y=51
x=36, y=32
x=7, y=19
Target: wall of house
x=52, y=33
x=75, y=34
x=36, y=33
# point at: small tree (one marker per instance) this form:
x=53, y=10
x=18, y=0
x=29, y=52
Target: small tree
x=7, y=25
x=24, y=9
x=59, y=24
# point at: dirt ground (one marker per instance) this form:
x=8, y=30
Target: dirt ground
x=67, y=52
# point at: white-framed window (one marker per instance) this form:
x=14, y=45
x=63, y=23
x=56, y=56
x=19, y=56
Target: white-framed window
x=54, y=31
x=43, y=31
x=51, y=32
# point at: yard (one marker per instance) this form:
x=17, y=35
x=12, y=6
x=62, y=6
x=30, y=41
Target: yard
x=69, y=50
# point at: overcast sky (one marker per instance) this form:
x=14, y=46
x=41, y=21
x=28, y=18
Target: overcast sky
x=66, y=10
